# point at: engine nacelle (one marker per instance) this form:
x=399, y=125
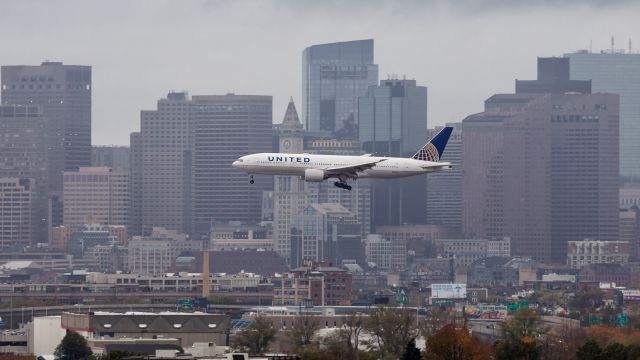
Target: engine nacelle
x=313, y=175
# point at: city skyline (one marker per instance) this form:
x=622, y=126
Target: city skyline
x=143, y=47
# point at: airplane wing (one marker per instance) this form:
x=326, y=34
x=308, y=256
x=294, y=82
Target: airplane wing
x=352, y=170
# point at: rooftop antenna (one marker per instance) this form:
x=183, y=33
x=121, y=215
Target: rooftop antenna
x=613, y=43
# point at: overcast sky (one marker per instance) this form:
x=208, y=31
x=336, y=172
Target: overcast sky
x=464, y=51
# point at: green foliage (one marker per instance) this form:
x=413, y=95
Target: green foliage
x=519, y=336
x=411, y=352
x=255, y=338
x=587, y=300
x=72, y=347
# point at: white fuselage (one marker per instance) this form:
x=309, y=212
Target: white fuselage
x=297, y=164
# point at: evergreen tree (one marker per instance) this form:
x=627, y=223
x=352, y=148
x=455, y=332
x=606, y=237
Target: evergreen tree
x=411, y=352
x=590, y=351
x=72, y=347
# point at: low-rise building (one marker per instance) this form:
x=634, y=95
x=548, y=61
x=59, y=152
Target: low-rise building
x=605, y=273
x=313, y=284
x=385, y=254
x=156, y=254
x=465, y=252
x=241, y=237
x=587, y=252
x=188, y=328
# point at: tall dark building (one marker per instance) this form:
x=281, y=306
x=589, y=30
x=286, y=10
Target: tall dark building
x=135, y=184
x=333, y=77
x=553, y=78
x=23, y=156
x=115, y=157
x=64, y=94
x=224, y=128
x=444, y=189
x=185, y=150
x=392, y=120
x=542, y=169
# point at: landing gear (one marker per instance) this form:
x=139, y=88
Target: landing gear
x=342, y=185
x=251, y=180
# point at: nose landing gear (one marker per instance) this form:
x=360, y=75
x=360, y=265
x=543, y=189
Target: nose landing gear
x=342, y=185
x=251, y=180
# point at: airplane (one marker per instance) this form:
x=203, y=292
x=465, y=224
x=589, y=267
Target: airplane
x=318, y=167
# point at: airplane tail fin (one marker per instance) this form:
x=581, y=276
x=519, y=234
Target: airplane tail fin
x=434, y=149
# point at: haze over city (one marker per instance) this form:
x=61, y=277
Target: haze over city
x=461, y=50
x=336, y=180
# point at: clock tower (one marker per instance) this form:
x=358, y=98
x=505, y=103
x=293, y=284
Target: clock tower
x=289, y=195
x=291, y=131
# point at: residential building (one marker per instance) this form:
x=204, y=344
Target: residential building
x=15, y=212
x=444, y=189
x=538, y=168
x=64, y=94
x=617, y=72
x=97, y=195
x=115, y=157
x=392, y=120
x=385, y=254
x=333, y=77
x=23, y=155
x=156, y=254
x=587, y=252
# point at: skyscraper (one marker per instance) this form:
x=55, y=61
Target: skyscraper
x=616, y=72
x=542, y=169
x=115, y=157
x=444, y=189
x=23, y=155
x=333, y=77
x=165, y=148
x=135, y=184
x=187, y=146
x=224, y=128
x=392, y=120
x=64, y=94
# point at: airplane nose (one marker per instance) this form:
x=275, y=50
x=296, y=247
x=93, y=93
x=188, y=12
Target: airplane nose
x=235, y=164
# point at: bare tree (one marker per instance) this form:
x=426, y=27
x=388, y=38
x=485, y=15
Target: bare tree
x=391, y=329
x=303, y=329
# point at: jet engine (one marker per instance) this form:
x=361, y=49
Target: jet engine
x=313, y=175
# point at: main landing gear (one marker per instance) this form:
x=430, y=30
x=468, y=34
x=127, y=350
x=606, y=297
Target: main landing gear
x=342, y=185
x=251, y=180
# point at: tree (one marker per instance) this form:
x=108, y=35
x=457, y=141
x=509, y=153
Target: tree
x=390, y=329
x=520, y=334
x=589, y=351
x=72, y=347
x=303, y=329
x=256, y=337
x=351, y=329
x=411, y=352
x=453, y=343
x=434, y=321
